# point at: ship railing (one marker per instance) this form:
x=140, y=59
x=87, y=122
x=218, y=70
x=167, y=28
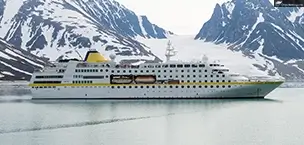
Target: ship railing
x=264, y=79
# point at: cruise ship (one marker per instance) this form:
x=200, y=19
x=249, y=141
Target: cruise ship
x=96, y=77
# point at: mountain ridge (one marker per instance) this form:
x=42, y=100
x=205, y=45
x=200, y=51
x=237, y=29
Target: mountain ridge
x=259, y=30
x=44, y=26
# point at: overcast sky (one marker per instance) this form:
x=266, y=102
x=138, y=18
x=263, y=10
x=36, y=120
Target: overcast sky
x=179, y=16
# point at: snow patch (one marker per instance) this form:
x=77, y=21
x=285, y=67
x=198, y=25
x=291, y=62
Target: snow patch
x=294, y=14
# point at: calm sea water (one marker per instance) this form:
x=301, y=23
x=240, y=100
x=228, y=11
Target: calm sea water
x=277, y=120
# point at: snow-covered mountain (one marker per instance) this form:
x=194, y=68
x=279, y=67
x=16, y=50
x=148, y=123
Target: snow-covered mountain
x=18, y=64
x=260, y=31
x=64, y=28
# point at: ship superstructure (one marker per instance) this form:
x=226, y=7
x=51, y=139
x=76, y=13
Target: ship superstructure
x=96, y=77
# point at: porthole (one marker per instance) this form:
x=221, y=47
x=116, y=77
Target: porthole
x=188, y=86
x=211, y=75
x=223, y=86
x=211, y=86
x=206, y=86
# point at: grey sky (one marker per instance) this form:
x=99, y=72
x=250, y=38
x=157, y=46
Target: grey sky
x=179, y=16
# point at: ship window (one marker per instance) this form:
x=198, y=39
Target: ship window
x=147, y=86
x=164, y=70
x=170, y=86
x=172, y=65
x=130, y=71
x=217, y=76
x=124, y=87
x=159, y=71
x=112, y=87
x=211, y=75
x=130, y=87
x=229, y=86
x=223, y=80
x=170, y=70
x=124, y=71
x=157, y=66
x=217, y=86
x=187, y=65
x=188, y=81
x=107, y=70
x=200, y=76
x=194, y=65
x=141, y=86
x=201, y=65
x=199, y=70
x=141, y=71
x=165, y=86
x=182, y=76
x=193, y=70
x=153, y=86
x=223, y=86
x=147, y=70
x=188, y=86
x=153, y=70
x=101, y=70
x=217, y=81
x=158, y=76
x=112, y=71
x=159, y=86
x=165, y=76
x=118, y=71
x=176, y=86
x=118, y=87
x=211, y=64
x=182, y=86
x=206, y=86
x=107, y=76
x=206, y=81
x=223, y=75
x=135, y=71
x=188, y=76
x=165, y=66
x=229, y=81
x=211, y=86
x=136, y=87
x=200, y=86
x=205, y=70
x=194, y=76
x=93, y=77
x=194, y=86
x=176, y=76
x=182, y=70
x=188, y=70
x=179, y=65
x=206, y=76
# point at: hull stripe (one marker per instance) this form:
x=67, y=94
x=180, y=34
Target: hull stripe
x=107, y=84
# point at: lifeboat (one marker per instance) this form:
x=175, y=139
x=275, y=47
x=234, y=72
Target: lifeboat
x=121, y=80
x=145, y=79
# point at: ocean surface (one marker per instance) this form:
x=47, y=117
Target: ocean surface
x=277, y=120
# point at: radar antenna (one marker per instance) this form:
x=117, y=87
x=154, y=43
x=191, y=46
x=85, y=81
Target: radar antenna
x=170, y=51
x=205, y=58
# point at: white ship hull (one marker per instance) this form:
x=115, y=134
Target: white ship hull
x=258, y=90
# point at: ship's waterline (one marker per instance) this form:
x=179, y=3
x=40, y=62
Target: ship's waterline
x=99, y=78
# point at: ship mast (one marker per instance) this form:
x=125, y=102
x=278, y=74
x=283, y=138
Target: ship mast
x=169, y=51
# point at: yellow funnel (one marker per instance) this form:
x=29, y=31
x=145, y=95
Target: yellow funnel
x=94, y=56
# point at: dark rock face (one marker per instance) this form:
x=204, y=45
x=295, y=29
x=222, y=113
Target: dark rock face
x=18, y=64
x=256, y=26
